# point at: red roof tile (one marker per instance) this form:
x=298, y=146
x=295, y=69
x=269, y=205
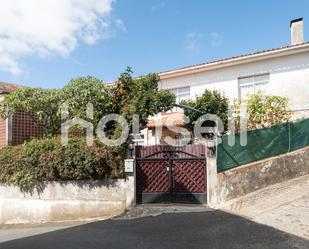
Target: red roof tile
x=7, y=87
x=167, y=119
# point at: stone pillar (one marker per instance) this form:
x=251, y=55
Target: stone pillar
x=129, y=166
x=211, y=170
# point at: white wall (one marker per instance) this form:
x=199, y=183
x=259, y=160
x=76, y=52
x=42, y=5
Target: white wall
x=289, y=77
x=66, y=200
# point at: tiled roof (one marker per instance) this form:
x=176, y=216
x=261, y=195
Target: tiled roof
x=232, y=58
x=167, y=119
x=7, y=87
x=200, y=65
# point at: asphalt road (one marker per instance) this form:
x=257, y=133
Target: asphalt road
x=210, y=229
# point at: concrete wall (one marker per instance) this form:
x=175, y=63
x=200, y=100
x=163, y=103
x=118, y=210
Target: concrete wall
x=59, y=201
x=248, y=178
x=300, y=114
x=161, y=138
x=289, y=77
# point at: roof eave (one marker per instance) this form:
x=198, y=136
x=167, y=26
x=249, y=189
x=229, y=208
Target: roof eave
x=235, y=61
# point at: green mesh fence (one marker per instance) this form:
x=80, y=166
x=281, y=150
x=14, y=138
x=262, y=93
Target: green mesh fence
x=263, y=143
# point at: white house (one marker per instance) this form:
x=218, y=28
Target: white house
x=280, y=71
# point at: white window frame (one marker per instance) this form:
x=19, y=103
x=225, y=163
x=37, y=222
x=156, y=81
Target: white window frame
x=178, y=93
x=254, y=83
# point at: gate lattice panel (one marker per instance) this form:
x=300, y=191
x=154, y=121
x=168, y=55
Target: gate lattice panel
x=152, y=176
x=189, y=176
x=170, y=173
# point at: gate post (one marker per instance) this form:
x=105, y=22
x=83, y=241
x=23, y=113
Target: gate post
x=211, y=172
x=129, y=168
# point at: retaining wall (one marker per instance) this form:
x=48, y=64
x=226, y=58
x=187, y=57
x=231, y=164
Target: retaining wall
x=248, y=178
x=70, y=200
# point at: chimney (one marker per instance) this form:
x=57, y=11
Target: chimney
x=297, y=31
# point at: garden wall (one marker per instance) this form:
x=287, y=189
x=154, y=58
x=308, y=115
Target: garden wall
x=60, y=201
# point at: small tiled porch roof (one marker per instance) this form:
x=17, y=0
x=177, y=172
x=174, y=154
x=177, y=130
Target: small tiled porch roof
x=167, y=119
x=7, y=87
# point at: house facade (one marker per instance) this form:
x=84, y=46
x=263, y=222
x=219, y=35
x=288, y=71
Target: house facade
x=281, y=71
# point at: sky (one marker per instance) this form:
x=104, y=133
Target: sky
x=46, y=43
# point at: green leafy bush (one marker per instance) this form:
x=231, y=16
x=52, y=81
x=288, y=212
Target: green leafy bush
x=140, y=96
x=210, y=102
x=83, y=90
x=263, y=111
x=47, y=160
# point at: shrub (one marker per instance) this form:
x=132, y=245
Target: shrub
x=263, y=111
x=212, y=102
x=83, y=90
x=140, y=96
x=47, y=160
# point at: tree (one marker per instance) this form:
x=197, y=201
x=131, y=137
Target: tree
x=130, y=96
x=140, y=96
x=210, y=102
x=83, y=90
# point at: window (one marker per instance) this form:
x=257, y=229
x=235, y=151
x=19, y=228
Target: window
x=181, y=93
x=253, y=84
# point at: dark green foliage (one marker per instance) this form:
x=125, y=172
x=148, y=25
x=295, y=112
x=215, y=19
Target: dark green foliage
x=210, y=102
x=140, y=96
x=47, y=160
x=130, y=96
x=83, y=90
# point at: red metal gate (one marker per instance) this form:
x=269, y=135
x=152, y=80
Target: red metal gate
x=167, y=173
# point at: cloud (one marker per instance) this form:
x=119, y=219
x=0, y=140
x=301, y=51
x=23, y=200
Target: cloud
x=194, y=43
x=121, y=26
x=216, y=39
x=158, y=6
x=50, y=28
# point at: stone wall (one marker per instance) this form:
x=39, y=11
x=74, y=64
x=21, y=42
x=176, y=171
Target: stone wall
x=248, y=178
x=60, y=201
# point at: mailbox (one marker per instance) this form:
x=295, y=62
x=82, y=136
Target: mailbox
x=129, y=165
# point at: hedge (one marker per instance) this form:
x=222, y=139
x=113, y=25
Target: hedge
x=46, y=159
